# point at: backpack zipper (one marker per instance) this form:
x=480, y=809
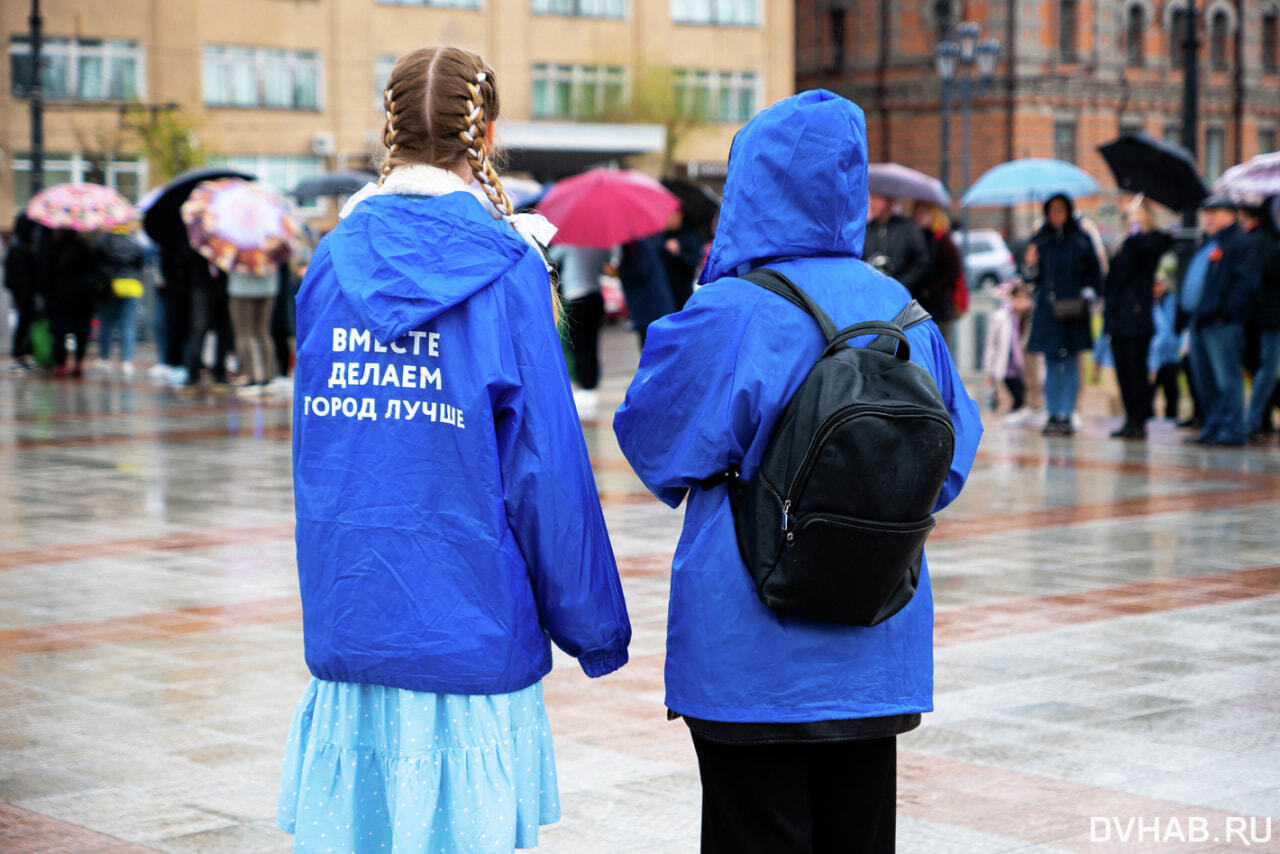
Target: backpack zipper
x=834, y=421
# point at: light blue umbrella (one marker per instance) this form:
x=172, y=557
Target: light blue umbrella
x=1028, y=180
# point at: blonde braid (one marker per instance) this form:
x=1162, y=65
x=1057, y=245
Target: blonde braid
x=477, y=156
x=388, y=134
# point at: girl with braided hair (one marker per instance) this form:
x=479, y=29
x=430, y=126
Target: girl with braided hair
x=448, y=526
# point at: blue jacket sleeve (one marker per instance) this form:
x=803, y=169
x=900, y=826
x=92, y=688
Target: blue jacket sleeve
x=965, y=418
x=551, y=500
x=671, y=425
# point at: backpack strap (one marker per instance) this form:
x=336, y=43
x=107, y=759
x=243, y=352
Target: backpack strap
x=889, y=335
x=913, y=314
x=772, y=280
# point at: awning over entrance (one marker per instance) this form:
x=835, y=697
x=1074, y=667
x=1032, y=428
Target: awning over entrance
x=553, y=150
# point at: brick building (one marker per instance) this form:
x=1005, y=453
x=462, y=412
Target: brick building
x=1072, y=75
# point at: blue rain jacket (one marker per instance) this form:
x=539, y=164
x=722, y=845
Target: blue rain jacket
x=447, y=519
x=714, y=378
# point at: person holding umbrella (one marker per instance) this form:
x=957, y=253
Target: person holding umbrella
x=937, y=288
x=894, y=244
x=1064, y=267
x=448, y=526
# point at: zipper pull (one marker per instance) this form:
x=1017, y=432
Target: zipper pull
x=786, y=509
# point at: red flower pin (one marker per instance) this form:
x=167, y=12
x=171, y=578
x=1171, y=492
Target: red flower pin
x=1216, y=255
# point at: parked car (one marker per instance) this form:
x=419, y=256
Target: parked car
x=987, y=261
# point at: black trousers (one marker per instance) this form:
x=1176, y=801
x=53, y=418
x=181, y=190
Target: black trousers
x=1130, y=353
x=583, y=317
x=208, y=308
x=1017, y=390
x=77, y=323
x=812, y=798
x=1185, y=365
x=1167, y=382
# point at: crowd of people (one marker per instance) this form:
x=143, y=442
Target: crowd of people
x=1210, y=327
x=68, y=286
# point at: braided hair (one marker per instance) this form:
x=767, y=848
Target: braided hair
x=439, y=103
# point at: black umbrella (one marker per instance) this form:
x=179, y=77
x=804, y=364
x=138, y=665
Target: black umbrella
x=1163, y=172
x=163, y=220
x=342, y=183
x=698, y=204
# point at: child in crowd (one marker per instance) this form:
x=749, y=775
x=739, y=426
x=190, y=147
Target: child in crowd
x=1004, y=358
x=1162, y=358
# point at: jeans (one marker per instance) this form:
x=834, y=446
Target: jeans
x=118, y=314
x=1264, y=380
x=1061, y=384
x=1221, y=348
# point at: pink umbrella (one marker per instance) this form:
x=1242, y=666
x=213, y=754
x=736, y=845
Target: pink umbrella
x=607, y=207
x=1251, y=182
x=239, y=226
x=81, y=207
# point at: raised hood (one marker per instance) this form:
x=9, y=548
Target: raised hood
x=401, y=260
x=797, y=186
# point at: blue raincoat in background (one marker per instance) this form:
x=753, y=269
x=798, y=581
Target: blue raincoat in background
x=712, y=381
x=447, y=519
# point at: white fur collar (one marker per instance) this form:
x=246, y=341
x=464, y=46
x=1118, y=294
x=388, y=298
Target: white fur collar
x=418, y=179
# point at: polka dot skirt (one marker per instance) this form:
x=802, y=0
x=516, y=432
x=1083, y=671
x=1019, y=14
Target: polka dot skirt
x=389, y=771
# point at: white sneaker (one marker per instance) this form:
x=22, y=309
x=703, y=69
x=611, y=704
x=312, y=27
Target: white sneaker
x=158, y=371
x=1016, y=418
x=177, y=375
x=127, y=371
x=586, y=400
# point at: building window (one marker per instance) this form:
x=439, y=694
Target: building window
x=577, y=91
x=1218, y=38
x=1135, y=29
x=582, y=8
x=446, y=4
x=1064, y=140
x=1215, y=148
x=237, y=76
x=1270, y=34
x=1130, y=128
x=1266, y=140
x=282, y=172
x=382, y=65
x=721, y=13
x=722, y=96
x=128, y=175
x=1178, y=38
x=1173, y=134
x=78, y=69
x=1067, y=23
x=836, y=18
x=944, y=16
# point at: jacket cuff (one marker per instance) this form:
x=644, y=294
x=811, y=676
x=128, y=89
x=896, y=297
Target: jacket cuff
x=596, y=664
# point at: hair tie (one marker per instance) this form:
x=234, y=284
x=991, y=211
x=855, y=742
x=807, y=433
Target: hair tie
x=482, y=76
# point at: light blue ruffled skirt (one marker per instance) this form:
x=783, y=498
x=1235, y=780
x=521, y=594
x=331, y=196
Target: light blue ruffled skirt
x=375, y=769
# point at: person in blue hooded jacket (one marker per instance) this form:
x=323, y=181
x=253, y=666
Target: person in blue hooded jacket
x=794, y=721
x=448, y=526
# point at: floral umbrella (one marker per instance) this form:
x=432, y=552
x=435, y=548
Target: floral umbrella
x=1250, y=183
x=239, y=226
x=80, y=207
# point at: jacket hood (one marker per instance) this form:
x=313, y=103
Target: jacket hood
x=797, y=185
x=401, y=260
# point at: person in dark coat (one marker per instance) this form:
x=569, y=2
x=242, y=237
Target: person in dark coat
x=22, y=278
x=208, y=306
x=1065, y=268
x=1266, y=313
x=1235, y=269
x=644, y=283
x=1128, y=319
x=75, y=283
x=682, y=247
x=936, y=288
x=894, y=244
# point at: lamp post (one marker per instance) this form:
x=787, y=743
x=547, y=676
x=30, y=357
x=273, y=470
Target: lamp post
x=37, y=100
x=968, y=51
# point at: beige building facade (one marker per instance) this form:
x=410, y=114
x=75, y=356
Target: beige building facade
x=289, y=88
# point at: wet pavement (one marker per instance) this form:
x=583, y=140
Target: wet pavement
x=1108, y=634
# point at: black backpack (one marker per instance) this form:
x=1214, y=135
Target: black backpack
x=832, y=526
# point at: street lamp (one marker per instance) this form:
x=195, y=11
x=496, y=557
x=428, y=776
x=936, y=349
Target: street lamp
x=967, y=51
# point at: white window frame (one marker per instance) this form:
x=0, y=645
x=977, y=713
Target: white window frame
x=466, y=5
x=74, y=49
x=622, y=13
x=259, y=166
x=686, y=81
x=579, y=78
x=741, y=13
x=294, y=60
x=78, y=167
